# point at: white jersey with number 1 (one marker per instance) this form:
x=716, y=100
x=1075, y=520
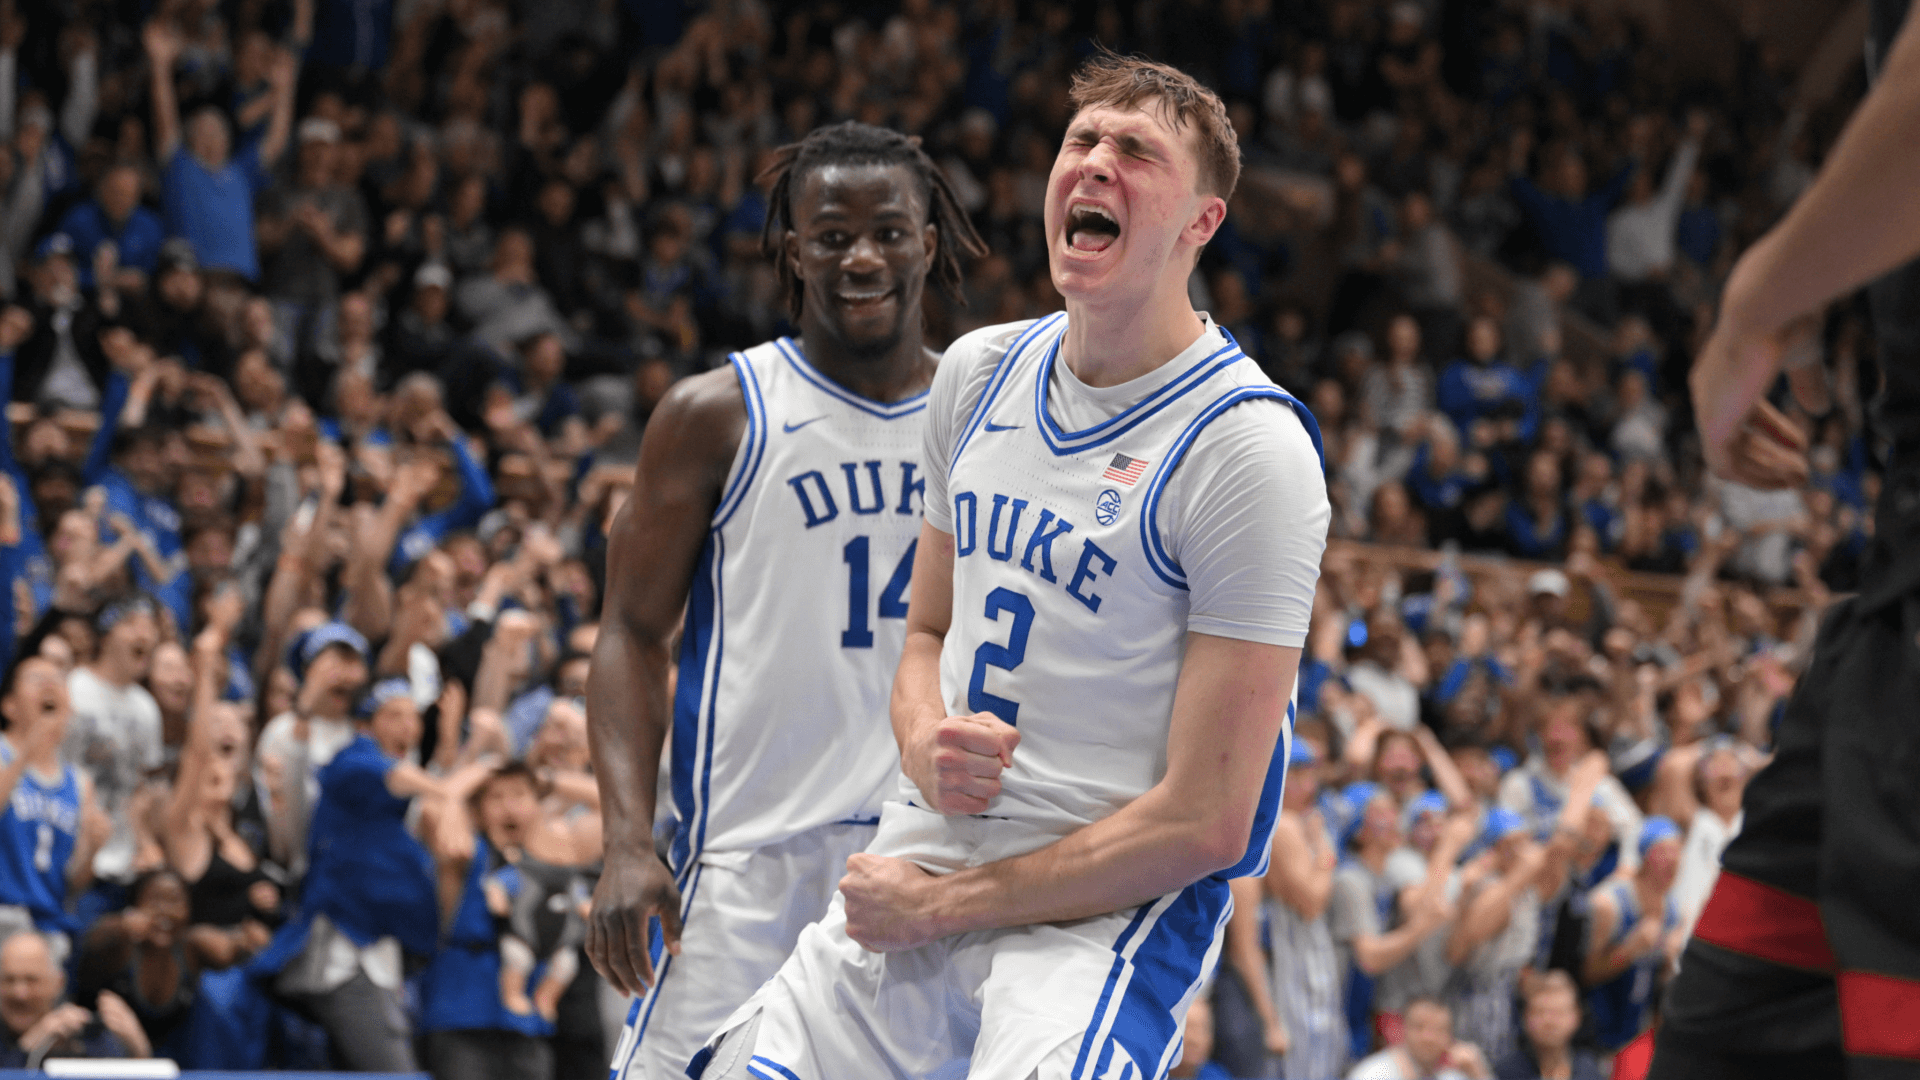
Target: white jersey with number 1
x=797, y=613
x=782, y=746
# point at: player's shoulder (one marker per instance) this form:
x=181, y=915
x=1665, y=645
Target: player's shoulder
x=708, y=396
x=699, y=422
x=969, y=363
x=983, y=347
x=1262, y=424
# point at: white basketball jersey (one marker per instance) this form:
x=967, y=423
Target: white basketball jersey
x=1069, y=617
x=797, y=613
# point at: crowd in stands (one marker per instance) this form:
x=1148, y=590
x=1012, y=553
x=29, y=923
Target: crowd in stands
x=331, y=328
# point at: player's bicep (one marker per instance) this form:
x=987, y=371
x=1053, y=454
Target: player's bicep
x=1228, y=711
x=930, y=602
x=685, y=459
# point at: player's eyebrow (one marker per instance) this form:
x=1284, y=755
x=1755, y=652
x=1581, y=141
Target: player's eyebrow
x=1129, y=143
x=834, y=213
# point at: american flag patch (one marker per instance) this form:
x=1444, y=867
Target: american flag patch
x=1125, y=470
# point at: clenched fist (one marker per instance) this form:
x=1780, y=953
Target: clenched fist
x=956, y=762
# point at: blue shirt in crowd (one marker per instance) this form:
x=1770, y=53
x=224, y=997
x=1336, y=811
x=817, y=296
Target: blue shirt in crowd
x=138, y=238
x=1470, y=391
x=213, y=209
x=1573, y=232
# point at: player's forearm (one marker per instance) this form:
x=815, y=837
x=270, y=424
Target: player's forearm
x=1155, y=845
x=1828, y=245
x=626, y=727
x=916, y=690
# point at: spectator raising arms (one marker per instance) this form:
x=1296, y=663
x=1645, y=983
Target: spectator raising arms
x=208, y=189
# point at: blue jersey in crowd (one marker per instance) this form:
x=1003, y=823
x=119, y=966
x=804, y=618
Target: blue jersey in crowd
x=38, y=832
x=462, y=987
x=153, y=514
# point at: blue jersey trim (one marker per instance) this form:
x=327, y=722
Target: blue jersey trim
x=906, y=406
x=756, y=444
x=768, y=1069
x=693, y=707
x=1063, y=442
x=1267, y=812
x=1146, y=1017
x=1158, y=559
x=998, y=383
x=662, y=961
x=1113, y=979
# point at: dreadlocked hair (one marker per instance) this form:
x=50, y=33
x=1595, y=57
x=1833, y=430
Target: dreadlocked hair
x=854, y=143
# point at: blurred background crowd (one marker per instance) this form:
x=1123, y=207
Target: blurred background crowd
x=332, y=326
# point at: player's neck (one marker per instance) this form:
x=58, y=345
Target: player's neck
x=1110, y=341
x=901, y=372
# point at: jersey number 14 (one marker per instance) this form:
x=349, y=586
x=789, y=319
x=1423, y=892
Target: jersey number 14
x=893, y=599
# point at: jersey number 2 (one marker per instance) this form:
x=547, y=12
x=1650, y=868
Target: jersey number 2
x=1005, y=657
x=893, y=601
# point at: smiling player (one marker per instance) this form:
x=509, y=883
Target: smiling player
x=1124, y=527
x=777, y=504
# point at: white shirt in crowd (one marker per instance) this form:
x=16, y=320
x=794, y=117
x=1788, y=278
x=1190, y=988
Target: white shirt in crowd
x=1393, y=1064
x=114, y=736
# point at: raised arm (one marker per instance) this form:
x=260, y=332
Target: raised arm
x=1490, y=909
x=163, y=48
x=1301, y=873
x=284, y=75
x=100, y=453
x=651, y=556
x=186, y=841
x=1446, y=775
x=16, y=325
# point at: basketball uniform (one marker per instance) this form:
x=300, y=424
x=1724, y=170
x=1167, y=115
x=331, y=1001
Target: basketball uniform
x=782, y=746
x=1072, y=603
x=37, y=837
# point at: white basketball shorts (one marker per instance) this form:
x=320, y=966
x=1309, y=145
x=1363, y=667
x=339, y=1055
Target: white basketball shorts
x=1103, y=998
x=740, y=914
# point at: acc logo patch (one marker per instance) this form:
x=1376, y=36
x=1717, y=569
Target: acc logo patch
x=1106, y=508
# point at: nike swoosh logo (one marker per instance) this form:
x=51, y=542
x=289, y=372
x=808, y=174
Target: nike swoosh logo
x=991, y=426
x=790, y=428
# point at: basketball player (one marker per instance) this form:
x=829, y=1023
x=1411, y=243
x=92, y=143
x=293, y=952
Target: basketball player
x=1125, y=520
x=1806, y=959
x=777, y=503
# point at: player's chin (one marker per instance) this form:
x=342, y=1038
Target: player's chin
x=1076, y=271
x=867, y=315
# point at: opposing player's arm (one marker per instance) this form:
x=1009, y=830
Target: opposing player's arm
x=1227, y=712
x=1857, y=221
x=955, y=761
x=655, y=543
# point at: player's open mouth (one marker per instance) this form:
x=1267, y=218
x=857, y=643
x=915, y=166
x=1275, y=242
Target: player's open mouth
x=1090, y=228
x=863, y=300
